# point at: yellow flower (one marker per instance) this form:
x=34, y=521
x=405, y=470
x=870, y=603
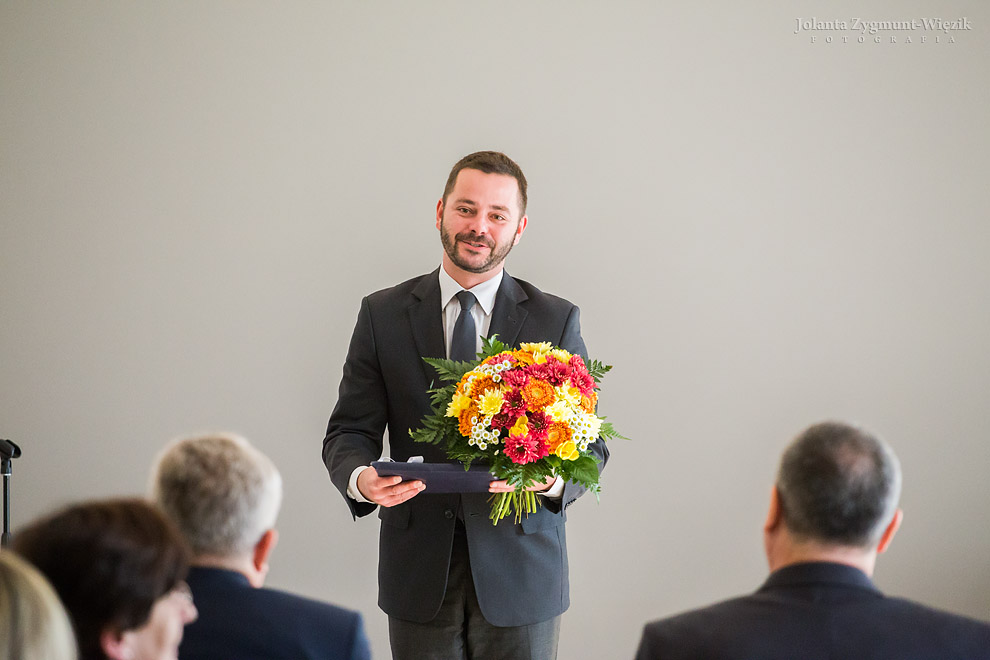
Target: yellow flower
x=521, y=427
x=490, y=402
x=458, y=403
x=567, y=451
x=558, y=434
x=571, y=395
x=542, y=347
x=561, y=355
x=559, y=411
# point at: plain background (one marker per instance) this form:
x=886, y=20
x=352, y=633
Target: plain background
x=762, y=231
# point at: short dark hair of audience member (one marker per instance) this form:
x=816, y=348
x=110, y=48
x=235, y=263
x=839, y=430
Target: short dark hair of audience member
x=118, y=565
x=839, y=485
x=224, y=495
x=33, y=622
x=489, y=162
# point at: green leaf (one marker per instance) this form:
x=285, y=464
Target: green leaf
x=584, y=471
x=607, y=431
x=597, y=369
x=450, y=370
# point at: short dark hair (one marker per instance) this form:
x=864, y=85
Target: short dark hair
x=109, y=561
x=838, y=484
x=489, y=162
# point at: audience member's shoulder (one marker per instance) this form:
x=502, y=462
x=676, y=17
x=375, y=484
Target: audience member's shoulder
x=297, y=604
x=929, y=620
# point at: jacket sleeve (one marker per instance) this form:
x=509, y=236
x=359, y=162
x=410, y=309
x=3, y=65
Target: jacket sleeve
x=357, y=424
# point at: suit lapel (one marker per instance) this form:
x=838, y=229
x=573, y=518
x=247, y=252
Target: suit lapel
x=507, y=315
x=426, y=323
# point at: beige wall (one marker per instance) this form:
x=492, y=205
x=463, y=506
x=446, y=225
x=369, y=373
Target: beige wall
x=761, y=232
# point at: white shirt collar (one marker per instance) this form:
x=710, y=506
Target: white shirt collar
x=484, y=292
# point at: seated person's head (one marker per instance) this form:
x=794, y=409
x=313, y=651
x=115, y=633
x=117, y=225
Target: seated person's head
x=224, y=495
x=32, y=620
x=837, y=490
x=118, y=567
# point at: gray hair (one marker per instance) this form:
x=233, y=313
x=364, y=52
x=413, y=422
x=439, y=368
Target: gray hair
x=838, y=484
x=221, y=492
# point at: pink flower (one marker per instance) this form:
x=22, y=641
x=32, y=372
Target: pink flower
x=522, y=449
x=514, y=377
x=556, y=371
x=580, y=377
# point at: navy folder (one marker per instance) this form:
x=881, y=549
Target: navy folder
x=439, y=477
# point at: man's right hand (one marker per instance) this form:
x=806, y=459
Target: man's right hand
x=387, y=491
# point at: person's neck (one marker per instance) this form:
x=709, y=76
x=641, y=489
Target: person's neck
x=465, y=278
x=792, y=551
x=242, y=565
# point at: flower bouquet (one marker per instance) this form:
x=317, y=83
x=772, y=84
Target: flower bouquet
x=528, y=414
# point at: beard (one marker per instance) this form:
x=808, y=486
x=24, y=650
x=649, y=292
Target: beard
x=496, y=253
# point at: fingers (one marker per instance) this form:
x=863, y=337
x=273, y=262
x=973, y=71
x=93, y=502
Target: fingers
x=502, y=486
x=395, y=491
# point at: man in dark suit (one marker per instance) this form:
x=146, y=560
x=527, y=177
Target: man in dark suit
x=832, y=510
x=224, y=496
x=453, y=585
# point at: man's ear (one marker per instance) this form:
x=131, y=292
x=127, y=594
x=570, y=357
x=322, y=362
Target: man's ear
x=775, y=513
x=262, y=551
x=116, y=645
x=439, y=212
x=888, y=534
x=520, y=229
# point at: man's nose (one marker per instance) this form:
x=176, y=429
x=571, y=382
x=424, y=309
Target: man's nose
x=479, y=224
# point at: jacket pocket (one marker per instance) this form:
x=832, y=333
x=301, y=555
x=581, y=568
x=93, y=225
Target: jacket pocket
x=541, y=520
x=396, y=516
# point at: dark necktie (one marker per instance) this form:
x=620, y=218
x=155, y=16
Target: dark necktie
x=464, y=341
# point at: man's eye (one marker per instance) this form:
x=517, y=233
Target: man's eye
x=498, y=218
x=463, y=209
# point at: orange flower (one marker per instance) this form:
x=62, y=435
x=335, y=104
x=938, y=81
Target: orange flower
x=557, y=434
x=481, y=384
x=524, y=357
x=464, y=421
x=588, y=403
x=538, y=394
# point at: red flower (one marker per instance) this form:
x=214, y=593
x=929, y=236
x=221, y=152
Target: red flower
x=539, y=424
x=514, y=377
x=514, y=404
x=556, y=371
x=522, y=449
x=502, y=420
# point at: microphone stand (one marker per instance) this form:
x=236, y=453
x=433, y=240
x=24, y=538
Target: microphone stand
x=8, y=451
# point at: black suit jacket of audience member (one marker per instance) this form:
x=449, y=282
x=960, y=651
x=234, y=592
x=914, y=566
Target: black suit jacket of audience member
x=519, y=571
x=239, y=622
x=816, y=611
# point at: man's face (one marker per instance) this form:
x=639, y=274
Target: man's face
x=479, y=221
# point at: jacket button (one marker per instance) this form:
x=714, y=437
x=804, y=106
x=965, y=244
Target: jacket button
x=448, y=514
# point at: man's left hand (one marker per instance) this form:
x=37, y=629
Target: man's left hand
x=504, y=487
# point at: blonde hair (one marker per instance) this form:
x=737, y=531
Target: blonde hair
x=32, y=618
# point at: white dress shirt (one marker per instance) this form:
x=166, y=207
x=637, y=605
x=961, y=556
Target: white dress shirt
x=484, y=293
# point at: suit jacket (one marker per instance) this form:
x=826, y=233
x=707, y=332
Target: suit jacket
x=519, y=571
x=816, y=611
x=239, y=622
